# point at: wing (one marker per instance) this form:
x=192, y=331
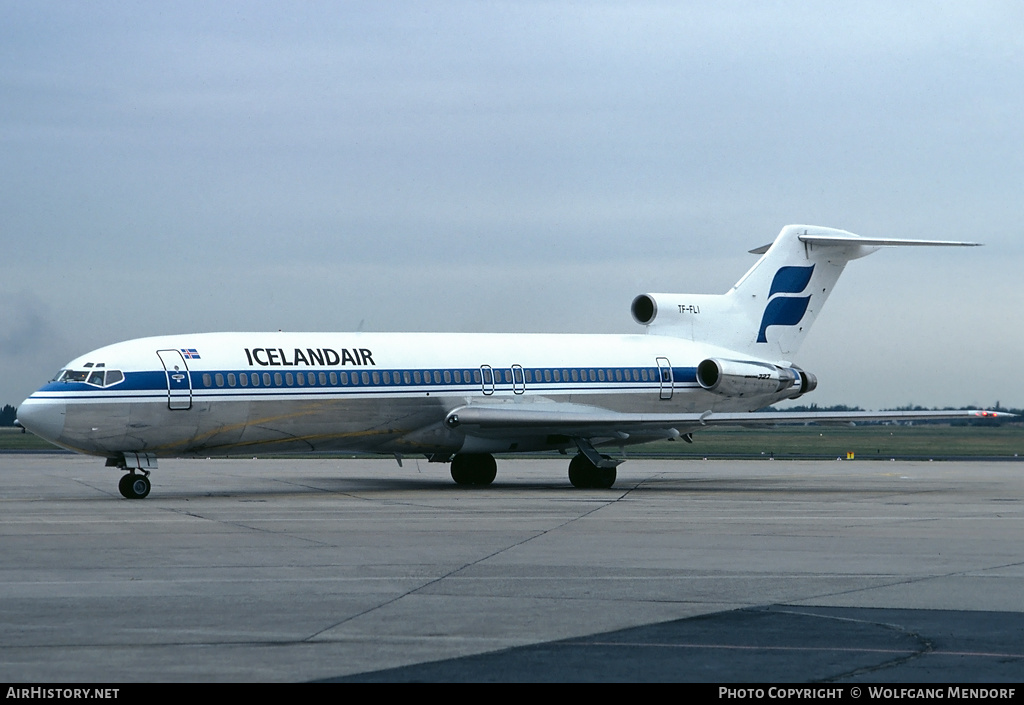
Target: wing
x=588, y=422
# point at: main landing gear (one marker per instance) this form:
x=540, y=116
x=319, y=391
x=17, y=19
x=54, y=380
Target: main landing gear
x=584, y=474
x=479, y=469
x=133, y=486
x=474, y=469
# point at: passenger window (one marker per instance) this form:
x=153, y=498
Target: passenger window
x=334, y=379
x=231, y=379
x=207, y=380
x=289, y=379
x=376, y=377
x=277, y=379
x=416, y=376
x=301, y=378
x=366, y=378
x=266, y=379
x=344, y=377
x=323, y=378
x=219, y=379
x=244, y=379
x=437, y=377
x=407, y=377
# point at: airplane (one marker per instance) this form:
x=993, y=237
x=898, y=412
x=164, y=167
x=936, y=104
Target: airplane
x=704, y=360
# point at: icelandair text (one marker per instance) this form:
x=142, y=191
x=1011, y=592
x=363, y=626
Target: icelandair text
x=321, y=357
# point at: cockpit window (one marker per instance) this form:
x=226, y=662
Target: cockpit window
x=94, y=376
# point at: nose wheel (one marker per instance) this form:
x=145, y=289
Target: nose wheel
x=133, y=486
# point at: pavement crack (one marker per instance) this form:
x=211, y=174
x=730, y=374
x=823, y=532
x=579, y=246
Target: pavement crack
x=455, y=571
x=925, y=645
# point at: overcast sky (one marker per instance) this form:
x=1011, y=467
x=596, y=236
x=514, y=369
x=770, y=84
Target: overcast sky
x=479, y=166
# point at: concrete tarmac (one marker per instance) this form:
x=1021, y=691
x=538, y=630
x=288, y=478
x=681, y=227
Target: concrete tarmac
x=276, y=570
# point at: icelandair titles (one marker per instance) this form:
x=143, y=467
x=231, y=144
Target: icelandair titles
x=320, y=357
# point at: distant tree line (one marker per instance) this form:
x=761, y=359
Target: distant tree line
x=8, y=415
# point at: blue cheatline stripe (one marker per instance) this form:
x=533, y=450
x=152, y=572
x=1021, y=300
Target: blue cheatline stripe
x=542, y=381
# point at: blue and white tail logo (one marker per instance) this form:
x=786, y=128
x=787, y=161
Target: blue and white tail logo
x=786, y=310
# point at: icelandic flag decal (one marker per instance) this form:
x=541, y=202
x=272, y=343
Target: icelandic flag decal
x=786, y=310
x=190, y=353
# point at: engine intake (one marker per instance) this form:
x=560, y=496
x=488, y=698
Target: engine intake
x=644, y=309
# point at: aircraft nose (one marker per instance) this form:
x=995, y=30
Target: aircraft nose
x=43, y=417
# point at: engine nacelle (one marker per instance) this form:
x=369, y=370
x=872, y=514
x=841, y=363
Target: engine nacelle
x=675, y=309
x=744, y=378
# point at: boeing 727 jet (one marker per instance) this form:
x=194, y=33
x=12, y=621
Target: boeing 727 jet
x=703, y=360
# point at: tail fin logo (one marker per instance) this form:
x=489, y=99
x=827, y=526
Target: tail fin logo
x=786, y=310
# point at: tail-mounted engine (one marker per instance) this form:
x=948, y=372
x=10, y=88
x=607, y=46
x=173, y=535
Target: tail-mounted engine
x=736, y=378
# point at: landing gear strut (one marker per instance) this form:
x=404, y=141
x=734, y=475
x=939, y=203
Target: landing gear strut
x=474, y=469
x=584, y=474
x=133, y=486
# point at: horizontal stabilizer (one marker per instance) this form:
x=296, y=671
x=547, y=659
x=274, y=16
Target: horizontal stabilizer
x=876, y=242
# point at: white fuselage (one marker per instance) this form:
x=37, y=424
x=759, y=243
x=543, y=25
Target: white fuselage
x=235, y=393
